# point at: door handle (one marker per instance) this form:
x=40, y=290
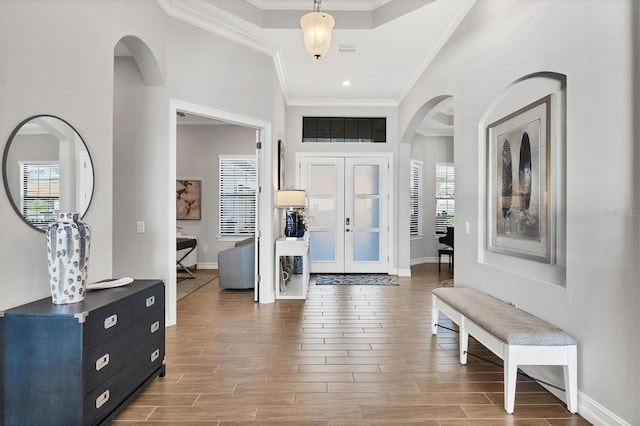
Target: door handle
x=347, y=230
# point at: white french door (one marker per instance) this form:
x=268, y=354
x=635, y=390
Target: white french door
x=348, y=213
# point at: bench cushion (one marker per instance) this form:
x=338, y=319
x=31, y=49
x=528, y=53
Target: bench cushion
x=504, y=321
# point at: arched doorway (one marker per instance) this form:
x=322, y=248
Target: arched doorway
x=429, y=151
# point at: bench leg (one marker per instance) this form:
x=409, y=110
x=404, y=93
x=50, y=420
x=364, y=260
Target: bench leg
x=510, y=378
x=571, y=380
x=464, y=341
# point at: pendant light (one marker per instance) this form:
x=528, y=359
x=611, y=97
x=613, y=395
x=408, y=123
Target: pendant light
x=316, y=29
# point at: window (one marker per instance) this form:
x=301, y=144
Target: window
x=445, y=197
x=415, y=199
x=40, y=193
x=238, y=185
x=344, y=129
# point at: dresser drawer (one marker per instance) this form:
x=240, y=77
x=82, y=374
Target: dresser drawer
x=101, y=362
x=148, y=301
x=104, y=323
x=105, y=397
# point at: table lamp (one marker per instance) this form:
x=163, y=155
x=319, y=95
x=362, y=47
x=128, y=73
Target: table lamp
x=291, y=199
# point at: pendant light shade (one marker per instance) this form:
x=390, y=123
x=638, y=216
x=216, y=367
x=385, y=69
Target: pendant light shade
x=316, y=29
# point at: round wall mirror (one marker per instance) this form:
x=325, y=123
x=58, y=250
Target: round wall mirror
x=47, y=169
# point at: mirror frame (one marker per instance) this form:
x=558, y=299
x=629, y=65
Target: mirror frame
x=5, y=158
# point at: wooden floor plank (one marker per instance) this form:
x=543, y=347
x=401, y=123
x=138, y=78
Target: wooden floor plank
x=348, y=355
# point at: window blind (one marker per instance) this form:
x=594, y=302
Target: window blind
x=238, y=186
x=415, y=198
x=445, y=197
x=40, y=193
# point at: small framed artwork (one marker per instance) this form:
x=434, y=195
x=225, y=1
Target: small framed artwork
x=281, y=165
x=519, y=204
x=188, y=199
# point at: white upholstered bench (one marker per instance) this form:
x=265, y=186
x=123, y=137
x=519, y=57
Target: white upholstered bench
x=515, y=336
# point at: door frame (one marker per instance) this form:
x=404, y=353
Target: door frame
x=391, y=210
x=265, y=230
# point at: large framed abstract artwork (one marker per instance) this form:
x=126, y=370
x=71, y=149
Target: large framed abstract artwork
x=188, y=200
x=519, y=204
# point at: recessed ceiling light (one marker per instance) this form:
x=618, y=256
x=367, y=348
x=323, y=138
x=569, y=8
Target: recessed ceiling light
x=346, y=83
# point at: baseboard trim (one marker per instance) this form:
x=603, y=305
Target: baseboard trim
x=422, y=260
x=596, y=413
x=588, y=408
x=404, y=272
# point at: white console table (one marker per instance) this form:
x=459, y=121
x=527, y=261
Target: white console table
x=297, y=284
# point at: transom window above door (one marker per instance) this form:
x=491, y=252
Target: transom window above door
x=344, y=129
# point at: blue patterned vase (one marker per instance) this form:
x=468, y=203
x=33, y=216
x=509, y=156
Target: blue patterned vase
x=68, y=241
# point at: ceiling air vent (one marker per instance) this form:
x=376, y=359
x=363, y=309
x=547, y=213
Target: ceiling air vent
x=347, y=48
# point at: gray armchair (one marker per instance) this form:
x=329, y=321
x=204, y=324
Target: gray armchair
x=236, y=266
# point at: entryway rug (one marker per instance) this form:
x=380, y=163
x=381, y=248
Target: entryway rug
x=355, y=279
x=187, y=285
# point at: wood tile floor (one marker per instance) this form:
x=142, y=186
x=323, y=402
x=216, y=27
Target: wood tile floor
x=348, y=355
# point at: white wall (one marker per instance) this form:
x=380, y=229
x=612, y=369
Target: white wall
x=69, y=72
x=590, y=43
x=139, y=167
x=279, y=133
x=197, y=158
x=430, y=150
x=71, y=77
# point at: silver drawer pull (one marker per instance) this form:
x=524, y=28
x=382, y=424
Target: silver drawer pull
x=155, y=327
x=102, y=399
x=102, y=362
x=155, y=354
x=151, y=300
x=110, y=321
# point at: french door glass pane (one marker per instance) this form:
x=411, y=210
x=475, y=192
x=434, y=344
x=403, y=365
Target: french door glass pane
x=321, y=246
x=323, y=211
x=366, y=179
x=322, y=179
x=367, y=212
x=366, y=246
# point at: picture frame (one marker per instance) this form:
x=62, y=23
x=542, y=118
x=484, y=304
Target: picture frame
x=519, y=198
x=188, y=199
x=281, y=165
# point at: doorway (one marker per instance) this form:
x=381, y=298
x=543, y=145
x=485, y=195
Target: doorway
x=265, y=291
x=219, y=159
x=348, y=212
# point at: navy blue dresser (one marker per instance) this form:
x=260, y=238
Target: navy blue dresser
x=81, y=364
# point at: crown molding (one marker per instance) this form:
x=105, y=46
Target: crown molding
x=342, y=102
x=358, y=5
x=457, y=18
x=423, y=131
x=217, y=21
x=278, y=64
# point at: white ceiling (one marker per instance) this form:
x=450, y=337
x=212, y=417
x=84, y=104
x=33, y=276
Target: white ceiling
x=395, y=40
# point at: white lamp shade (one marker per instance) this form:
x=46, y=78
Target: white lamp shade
x=290, y=198
x=316, y=28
